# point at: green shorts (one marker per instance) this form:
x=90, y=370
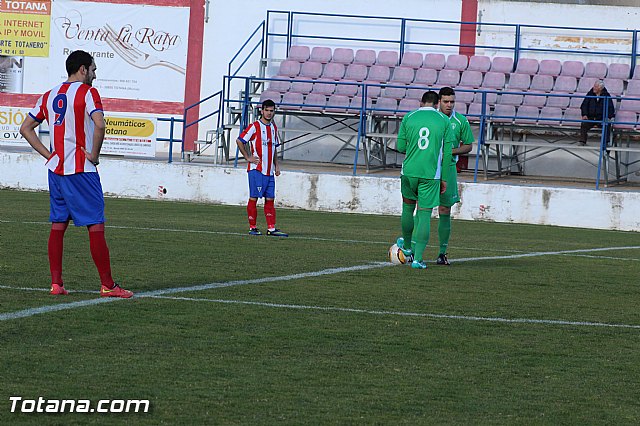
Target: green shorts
x=425, y=191
x=451, y=196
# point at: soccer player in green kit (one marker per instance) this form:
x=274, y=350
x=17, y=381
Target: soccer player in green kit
x=426, y=138
x=461, y=145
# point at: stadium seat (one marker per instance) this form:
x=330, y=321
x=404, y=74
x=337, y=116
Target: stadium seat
x=565, y=84
x=342, y=55
x=576, y=101
x=633, y=89
x=527, y=66
x=387, y=58
x=625, y=120
x=629, y=105
x=299, y=53
x=407, y=105
x=572, y=114
x=559, y=101
x=346, y=88
x=448, y=78
x=491, y=98
x=542, y=83
x=471, y=79
x=356, y=104
x=527, y=114
x=573, y=68
x=510, y=99
x=479, y=63
x=535, y=98
x=595, y=69
x=379, y=73
x=373, y=89
x=357, y=72
x=394, y=92
x=461, y=107
x=473, y=111
x=519, y=82
x=403, y=75
x=412, y=59
x=304, y=87
x=315, y=102
x=614, y=86
x=385, y=106
x=270, y=94
x=434, y=61
x=456, y=62
x=636, y=72
x=550, y=116
x=550, y=67
x=413, y=93
x=333, y=71
x=502, y=64
x=292, y=101
x=585, y=84
x=324, y=86
x=464, y=96
x=289, y=68
x=493, y=81
x=620, y=71
x=310, y=70
x=503, y=113
x=320, y=54
x=425, y=77
x=337, y=103
x=365, y=57
x=280, y=86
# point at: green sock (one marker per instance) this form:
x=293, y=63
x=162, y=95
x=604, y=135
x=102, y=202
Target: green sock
x=406, y=221
x=416, y=222
x=444, y=232
x=422, y=233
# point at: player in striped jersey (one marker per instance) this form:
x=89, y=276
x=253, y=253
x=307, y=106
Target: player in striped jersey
x=73, y=110
x=425, y=137
x=462, y=145
x=257, y=144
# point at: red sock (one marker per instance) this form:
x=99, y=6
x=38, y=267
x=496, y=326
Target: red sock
x=100, y=254
x=270, y=214
x=55, y=248
x=252, y=212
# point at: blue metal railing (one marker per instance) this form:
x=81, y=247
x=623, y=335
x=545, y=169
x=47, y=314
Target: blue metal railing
x=217, y=113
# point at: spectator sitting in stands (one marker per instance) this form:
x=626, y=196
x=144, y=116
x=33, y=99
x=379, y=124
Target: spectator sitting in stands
x=592, y=109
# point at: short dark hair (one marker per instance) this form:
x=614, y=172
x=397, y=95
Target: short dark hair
x=446, y=91
x=76, y=59
x=268, y=103
x=430, y=98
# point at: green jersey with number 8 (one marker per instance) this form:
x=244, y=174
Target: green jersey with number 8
x=426, y=138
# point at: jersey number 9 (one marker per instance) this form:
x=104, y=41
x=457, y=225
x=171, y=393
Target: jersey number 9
x=60, y=108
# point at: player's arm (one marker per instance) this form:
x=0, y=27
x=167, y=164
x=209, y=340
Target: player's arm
x=98, y=137
x=276, y=165
x=242, y=147
x=449, y=139
x=466, y=139
x=401, y=144
x=28, y=131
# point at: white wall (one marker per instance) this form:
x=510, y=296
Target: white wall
x=587, y=208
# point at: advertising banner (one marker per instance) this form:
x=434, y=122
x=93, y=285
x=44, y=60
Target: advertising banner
x=140, y=50
x=10, y=121
x=131, y=136
x=24, y=29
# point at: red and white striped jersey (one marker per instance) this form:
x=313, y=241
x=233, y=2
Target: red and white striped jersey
x=68, y=108
x=263, y=140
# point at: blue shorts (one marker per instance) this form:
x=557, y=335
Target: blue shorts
x=78, y=197
x=261, y=185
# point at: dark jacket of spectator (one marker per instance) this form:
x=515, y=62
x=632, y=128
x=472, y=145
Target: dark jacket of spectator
x=592, y=107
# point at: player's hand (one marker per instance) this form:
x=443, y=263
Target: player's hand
x=443, y=186
x=92, y=159
x=277, y=169
x=255, y=160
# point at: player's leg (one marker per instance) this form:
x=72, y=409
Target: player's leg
x=428, y=198
x=409, y=190
x=447, y=199
x=270, y=207
x=59, y=216
x=255, y=186
x=83, y=193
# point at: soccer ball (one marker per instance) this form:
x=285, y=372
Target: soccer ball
x=396, y=256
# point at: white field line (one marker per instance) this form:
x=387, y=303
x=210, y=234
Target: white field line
x=52, y=308
x=404, y=314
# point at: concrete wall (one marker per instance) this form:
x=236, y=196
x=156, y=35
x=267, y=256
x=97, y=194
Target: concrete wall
x=587, y=208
